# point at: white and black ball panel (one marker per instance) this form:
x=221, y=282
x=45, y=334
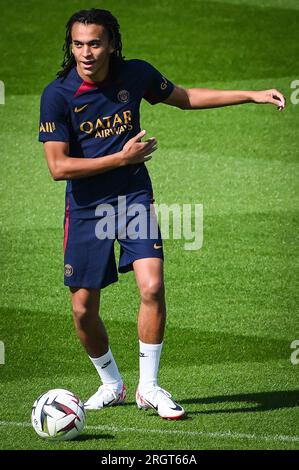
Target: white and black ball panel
x=58, y=414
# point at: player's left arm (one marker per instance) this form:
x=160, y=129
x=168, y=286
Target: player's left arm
x=202, y=98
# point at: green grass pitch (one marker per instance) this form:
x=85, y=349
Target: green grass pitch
x=233, y=305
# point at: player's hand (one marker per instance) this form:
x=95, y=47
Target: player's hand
x=270, y=96
x=136, y=151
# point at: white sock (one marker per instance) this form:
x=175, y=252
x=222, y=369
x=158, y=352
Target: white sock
x=107, y=369
x=149, y=358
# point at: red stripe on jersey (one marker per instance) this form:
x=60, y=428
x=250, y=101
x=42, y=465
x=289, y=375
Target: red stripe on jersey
x=66, y=225
x=85, y=86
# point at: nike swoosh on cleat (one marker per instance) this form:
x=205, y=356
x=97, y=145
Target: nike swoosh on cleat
x=150, y=404
x=109, y=402
x=177, y=408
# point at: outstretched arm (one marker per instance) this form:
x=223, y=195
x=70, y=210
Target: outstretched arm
x=201, y=98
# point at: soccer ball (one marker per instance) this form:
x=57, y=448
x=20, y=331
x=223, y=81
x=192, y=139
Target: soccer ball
x=58, y=414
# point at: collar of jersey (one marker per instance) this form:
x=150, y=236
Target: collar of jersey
x=101, y=84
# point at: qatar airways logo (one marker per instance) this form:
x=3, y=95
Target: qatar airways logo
x=107, y=126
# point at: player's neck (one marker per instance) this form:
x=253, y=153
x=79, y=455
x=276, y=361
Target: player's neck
x=100, y=76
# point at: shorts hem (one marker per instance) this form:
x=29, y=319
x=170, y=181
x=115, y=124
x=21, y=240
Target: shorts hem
x=87, y=285
x=129, y=266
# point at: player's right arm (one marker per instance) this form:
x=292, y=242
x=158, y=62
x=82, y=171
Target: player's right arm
x=63, y=167
x=55, y=133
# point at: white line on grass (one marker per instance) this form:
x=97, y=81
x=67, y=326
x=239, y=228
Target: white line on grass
x=216, y=435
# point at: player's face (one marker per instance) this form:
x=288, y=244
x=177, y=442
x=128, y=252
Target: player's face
x=91, y=48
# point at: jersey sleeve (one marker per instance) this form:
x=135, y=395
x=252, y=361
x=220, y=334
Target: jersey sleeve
x=158, y=88
x=54, y=122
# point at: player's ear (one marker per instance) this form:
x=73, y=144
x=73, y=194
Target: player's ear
x=111, y=45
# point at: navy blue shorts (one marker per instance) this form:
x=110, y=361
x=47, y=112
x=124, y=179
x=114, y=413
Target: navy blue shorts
x=89, y=259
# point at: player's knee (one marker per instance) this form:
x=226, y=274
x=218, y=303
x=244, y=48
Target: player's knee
x=81, y=314
x=152, y=290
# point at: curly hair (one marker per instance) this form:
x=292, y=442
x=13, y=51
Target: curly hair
x=92, y=16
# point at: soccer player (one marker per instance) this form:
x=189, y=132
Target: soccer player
x=92, y=138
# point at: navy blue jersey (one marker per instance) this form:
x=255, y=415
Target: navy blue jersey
x=97, y=119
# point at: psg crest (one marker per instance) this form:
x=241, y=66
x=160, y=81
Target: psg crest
x=123, y=96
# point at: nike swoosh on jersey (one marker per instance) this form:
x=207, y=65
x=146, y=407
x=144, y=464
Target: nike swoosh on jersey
x=78, y=110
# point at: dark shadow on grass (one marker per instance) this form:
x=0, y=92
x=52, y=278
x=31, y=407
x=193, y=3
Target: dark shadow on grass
x=91, y=437
x=55, y=353
x=263, y=401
